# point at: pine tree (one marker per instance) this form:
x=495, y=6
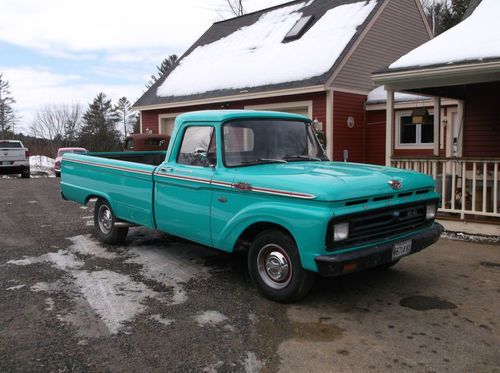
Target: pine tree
x=7, y=114
x=443, y=15
x=166, y=66
x=98, y=132
x=125, y=115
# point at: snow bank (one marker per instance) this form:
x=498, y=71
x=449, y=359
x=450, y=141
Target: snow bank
x=379, y=95
x=476, y=38
x=40, y=164
x=255, y=55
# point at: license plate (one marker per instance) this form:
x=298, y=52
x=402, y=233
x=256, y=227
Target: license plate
x=401, y=249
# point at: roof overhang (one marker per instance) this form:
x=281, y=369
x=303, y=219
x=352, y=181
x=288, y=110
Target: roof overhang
x=232, y=98
x=442, y=76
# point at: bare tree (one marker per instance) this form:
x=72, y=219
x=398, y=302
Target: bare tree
x=236, y=7
x=230, y=8
x=57, y=123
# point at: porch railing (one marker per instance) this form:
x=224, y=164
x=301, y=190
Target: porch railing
x=467, y=186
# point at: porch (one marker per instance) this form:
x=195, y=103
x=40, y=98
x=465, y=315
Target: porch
x=469, y=187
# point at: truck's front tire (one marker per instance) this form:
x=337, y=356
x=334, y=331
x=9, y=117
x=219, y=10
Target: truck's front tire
x=275, y=268
x=104, y=223
x=25, y=174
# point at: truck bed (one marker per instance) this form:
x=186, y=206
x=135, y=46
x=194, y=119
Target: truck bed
x=125, y=179
x=147, y=157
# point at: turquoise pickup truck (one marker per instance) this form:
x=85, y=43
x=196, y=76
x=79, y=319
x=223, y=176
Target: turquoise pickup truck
x=262, y=182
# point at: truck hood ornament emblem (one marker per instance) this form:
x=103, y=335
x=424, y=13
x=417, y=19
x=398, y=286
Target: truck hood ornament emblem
x=395, y=184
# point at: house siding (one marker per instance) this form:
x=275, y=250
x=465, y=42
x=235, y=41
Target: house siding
x=345, y=138
x=150, y=117
x=482, y=121
x=399, y=29
x=375, y=137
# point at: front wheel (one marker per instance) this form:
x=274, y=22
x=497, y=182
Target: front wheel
x=104, y=224
x=25, y=175
x=275, y=267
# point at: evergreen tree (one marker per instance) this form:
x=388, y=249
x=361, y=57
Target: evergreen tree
x=7, y=114
x=443, y=15
x=125, y=115
x=137, y=123
x=166, y=66
x=98, y=132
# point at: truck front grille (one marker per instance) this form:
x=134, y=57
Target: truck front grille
x=380, y=224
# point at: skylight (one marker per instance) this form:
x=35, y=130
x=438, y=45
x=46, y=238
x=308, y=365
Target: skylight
x=299, y=28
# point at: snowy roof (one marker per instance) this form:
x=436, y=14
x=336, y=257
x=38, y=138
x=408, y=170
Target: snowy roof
x=249, y=53
x=379, y=95
x=475, y=39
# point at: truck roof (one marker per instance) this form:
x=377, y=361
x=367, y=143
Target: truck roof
x=225, y=115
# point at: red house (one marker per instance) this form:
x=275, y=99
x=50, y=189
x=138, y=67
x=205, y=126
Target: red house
x=309, y=57
x=461, y=150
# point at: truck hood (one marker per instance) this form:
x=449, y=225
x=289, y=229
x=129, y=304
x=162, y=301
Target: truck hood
x=331, y=181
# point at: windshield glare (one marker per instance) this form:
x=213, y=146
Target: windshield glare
x=269, y=141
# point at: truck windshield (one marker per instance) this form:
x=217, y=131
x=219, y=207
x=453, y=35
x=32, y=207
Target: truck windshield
x=10, y=145
x=253, y=142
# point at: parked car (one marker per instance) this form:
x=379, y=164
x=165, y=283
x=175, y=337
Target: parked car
x=60, y=153
x=146, y=142
x=14, y=158
x=261, y=181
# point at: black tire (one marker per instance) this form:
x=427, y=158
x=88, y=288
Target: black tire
x=387, y=265
x=275, y=268
x=104, y=224
x=58, y=174
x=25, y=175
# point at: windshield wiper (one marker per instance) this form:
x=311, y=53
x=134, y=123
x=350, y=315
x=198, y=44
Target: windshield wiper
x=265, y=160
x=303, y=157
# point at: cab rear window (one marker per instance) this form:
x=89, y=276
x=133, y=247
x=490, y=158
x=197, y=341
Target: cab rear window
x=10, y=145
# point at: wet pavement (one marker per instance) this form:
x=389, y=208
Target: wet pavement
x=158, y=303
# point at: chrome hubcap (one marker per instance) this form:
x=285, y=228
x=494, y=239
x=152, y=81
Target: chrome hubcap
x=274, y=266
x=105, y=218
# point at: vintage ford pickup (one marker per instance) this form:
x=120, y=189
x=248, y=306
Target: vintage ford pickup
x=260, y=181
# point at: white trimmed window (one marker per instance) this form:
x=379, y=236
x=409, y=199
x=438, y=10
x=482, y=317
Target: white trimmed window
x=414, y=135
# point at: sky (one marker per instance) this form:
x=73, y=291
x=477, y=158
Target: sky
x=67, y=51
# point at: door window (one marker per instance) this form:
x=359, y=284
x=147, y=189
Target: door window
x=198, y=147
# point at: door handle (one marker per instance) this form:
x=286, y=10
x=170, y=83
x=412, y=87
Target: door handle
x=166, y=169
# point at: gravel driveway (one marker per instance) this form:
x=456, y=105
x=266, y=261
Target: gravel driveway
x=158, y=303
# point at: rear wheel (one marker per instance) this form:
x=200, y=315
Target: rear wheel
x=275, y=267
x=104, y=223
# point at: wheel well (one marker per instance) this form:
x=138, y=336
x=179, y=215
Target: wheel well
x=87, y=200
x=248, y=235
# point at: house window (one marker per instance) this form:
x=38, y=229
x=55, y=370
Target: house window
x=414, y=134
x=299, y=28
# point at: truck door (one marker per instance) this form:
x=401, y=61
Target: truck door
x=183, y=192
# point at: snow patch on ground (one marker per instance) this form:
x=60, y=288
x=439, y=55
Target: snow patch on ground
x=171, y=268
x=161, y=320
x=255, y=55
x=104, y=300
x=210, y=318
x=252, y=364
x=41, y=165
x=116, y=298
x=16, y=287
x=85, y=245
x=61, y=260
x=460, y=236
